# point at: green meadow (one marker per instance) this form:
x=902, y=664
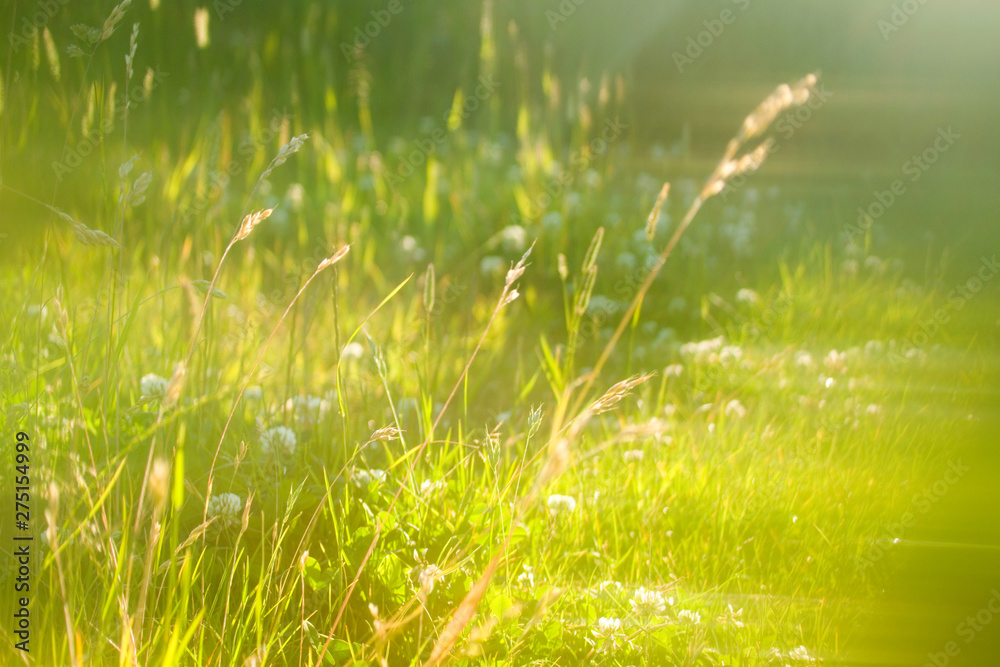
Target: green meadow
x=498, y=334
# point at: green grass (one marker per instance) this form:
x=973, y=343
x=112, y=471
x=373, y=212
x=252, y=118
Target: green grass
x=746, y=491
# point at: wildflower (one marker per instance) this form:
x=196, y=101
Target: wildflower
x=703, y=350
x=734, y=407
x=800, y=653
x=731, y=617
x=279, y=440
x=491, y=265
x=558, y=503
x=226, y=507
x=873, y=409
x=673, y=370
x=849, y=267
x=527, y=578
x=648, y=603
x=748, y=297
x=428, y=487
x=152, y=385
x=353, y=350
x=688, y=616
x=803, y=359
x=608, y=629
x=514, y=238
x=730, y=354
x=365, y=478
x=307, y=409
x=634, y=456
x=427, y=577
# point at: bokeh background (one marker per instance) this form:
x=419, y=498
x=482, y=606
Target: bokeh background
x=897, y=74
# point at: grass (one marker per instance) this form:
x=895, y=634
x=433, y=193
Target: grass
x=243, y=453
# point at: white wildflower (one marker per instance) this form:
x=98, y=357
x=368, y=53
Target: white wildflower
x=279, y=440
x=152, y=385
x=353, y=350
x=514, y=238
x=673, y=370
x=648, y=603
x=492, y=265
x=688, y=616
x=227, y=507
x=365, y=478
x=427, y=578
x=558, y=503
x=748, y=297
x=634, y=456
x=735, y=408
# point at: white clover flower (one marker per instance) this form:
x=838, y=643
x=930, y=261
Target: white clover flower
x=730, y=354
x=152, y=385
x=253, y=393
x=874, y=264
x=702, y=350
x=803, y=359
x=731, y=617
x=734, y=407
x=279, y=440
x=607, y=628
x=748, y=297
x=689, y=616
x=227, y=507
x=307, y=409
x=836, y=361
x=427, y=487
x=514, y=238
x=648, y=603
x=558, y=503
x=364, y=478
x=602, y=305
x=800, y=653
x=634, y=456
x=527, y=578
x=492, y=265
x=353, y=350
x=427, y=578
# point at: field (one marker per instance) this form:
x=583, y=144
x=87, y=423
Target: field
x=294, y=375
